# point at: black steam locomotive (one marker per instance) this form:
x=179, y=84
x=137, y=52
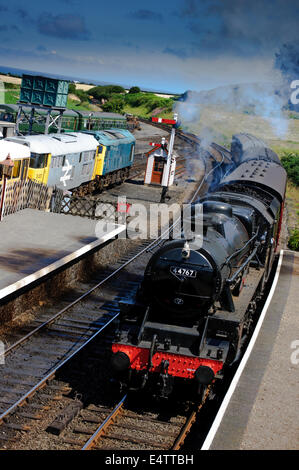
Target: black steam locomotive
x=194, y=308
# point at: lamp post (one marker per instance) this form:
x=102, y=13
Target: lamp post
x=7, y=166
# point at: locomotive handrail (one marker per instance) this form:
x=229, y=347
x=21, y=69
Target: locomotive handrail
x=241, y=249
x=235, y=275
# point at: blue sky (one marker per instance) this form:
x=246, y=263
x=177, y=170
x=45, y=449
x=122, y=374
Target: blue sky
x=171, y=45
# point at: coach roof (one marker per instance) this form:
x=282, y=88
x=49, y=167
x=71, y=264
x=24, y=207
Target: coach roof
x=113, y=136
x=57, y=144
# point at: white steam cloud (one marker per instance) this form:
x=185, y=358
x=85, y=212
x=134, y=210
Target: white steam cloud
x=265, y=100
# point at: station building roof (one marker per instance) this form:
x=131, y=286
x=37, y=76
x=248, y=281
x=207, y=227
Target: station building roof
x=16, y=151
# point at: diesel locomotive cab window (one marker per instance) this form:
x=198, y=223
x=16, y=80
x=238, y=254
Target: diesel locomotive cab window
x=38, y=161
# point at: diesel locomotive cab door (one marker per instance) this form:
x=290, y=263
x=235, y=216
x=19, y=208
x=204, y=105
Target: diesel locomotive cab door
x=24, y=170
x=158, y=168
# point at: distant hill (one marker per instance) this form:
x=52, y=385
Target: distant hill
x=253, y=98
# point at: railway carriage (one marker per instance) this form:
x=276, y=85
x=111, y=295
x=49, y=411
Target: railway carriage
x=72, y=120
x=80, y=161
x=95, y=121
x=64, y=160
x=116, y=147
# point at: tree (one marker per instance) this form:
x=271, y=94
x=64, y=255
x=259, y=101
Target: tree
x=293, y=243
x=115, y=105
x=290, y=162
x=105, y=92
x=134, y=89
x=72, y=88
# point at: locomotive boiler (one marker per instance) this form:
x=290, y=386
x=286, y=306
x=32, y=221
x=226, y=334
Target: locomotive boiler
x=196, y=303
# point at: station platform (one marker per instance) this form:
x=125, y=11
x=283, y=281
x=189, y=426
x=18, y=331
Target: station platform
x=35, y=244
x=261, y=408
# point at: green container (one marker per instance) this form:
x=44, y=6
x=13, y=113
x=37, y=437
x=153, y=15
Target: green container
x=38, y=84
x=44, y=91
x=61, y=100
x=51, y=85
x=63, y=87
x=27, y=81
x=49, y=99
x=37, y=97
x=25, y=95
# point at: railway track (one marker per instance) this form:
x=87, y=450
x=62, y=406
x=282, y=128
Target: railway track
x=33, y=361
x=146, y=431
x=143, y=431
x=64, y=334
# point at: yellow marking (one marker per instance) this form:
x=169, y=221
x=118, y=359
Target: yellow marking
x=99, y=163
x=47, y=169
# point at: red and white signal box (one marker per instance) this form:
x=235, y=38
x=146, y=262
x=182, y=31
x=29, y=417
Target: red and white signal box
x=161, y=161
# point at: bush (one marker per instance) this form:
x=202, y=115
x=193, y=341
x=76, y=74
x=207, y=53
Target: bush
x=293, y=243
x=105, y=92
x=148, y=100
x=290, y=162
x=72, y=88
x=134, y=89
x=11, y=86
x=82, y=95
x=114, y=105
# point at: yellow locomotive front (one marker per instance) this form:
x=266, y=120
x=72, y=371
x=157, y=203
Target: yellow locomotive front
x=39, y=167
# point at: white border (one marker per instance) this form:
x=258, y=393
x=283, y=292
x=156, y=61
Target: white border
x=210, y=437
x=59, y=263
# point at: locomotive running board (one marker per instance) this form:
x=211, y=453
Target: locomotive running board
x=241, y=302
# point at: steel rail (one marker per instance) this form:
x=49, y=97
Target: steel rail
x=107, y=422
x=185, y=431
x=190, y=421
x=51, y=374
